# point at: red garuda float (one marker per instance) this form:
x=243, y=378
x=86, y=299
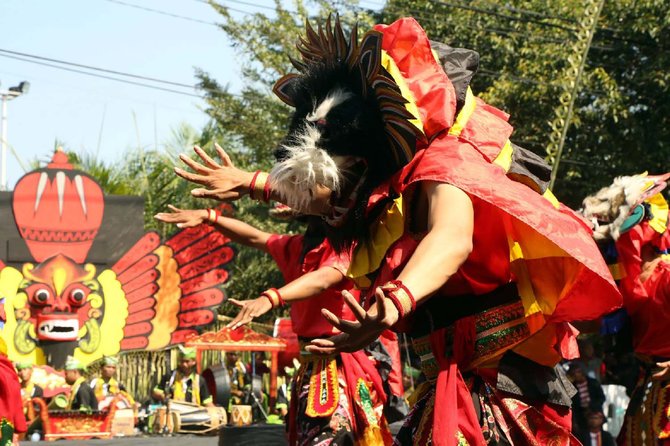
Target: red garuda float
x=630, y=219
x=150, y=297
x=455, y=238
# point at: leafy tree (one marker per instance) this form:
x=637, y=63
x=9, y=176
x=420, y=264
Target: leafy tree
x=620, y=124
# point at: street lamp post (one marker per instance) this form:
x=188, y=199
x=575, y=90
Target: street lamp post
x=6, y=96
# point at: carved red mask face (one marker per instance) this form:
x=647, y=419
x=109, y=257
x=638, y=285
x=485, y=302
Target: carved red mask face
x=57, y=295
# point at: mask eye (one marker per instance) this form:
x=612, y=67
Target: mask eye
x=42, y=296
x=39, y=294
x=77, y=295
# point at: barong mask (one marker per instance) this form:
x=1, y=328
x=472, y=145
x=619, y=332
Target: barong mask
x=350, y=129
x=627, y=201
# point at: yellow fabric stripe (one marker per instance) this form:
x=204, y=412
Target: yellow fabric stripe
x=504, y=158
x=524, y=284
x=389, y=64
x=465, y=114
x=551, y=198
x=659, y=212
x=367, y=257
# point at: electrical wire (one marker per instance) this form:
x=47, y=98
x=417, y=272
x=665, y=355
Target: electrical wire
x=26, y=57
x=176, y=16
x=89, y=67
x=507, y=32
x=165, y=13
x=102, y=76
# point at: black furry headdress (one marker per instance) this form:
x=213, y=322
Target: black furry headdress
x=328, y=49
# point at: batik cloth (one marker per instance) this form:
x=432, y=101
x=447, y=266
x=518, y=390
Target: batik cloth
x=504, y=419
x=647, y=421
x=337, y=400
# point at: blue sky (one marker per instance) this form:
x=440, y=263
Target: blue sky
x=103, y=33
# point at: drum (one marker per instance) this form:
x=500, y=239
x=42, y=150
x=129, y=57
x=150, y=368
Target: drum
x=240, y=415
x=183, y=406
x=161, y=424
x=218, y=384
x=58, y=402
x=200, y=421
x=121, y=400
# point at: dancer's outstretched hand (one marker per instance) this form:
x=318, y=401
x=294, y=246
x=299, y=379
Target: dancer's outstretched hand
x=221, y=181
x=249, y=309
x=664, y=373
x=183, y=218
x=360, y=333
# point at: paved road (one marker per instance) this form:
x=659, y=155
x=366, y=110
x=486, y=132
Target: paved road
x=177, y=440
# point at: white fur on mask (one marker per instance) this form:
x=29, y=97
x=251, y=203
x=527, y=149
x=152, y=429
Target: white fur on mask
x=613, y=204
x=296, y=177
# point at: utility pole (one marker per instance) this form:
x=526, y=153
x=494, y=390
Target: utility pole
x=6, y=96
x=571, y=83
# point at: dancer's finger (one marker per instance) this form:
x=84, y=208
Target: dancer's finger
x=225, y=159
x=359, y=312
x=206, y=158
x=193, y=164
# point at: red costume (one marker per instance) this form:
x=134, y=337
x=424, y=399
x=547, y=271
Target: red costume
x=12, y=419
x=334, y=396
x=306, y=315
x=631, y=216
x=490, y=338
x=533, y=268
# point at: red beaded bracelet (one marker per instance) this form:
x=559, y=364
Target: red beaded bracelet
x=213, y=215
x=401, y=297
x=266, y=190
x=259, y=187
x=273, y=295
x=252, y=185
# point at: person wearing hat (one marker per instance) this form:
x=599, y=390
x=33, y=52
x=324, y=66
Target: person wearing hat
x=29, y=389
x=81, y=395
x=184, y=383
x=106, y=385
x=239, y=379
x=12, y=421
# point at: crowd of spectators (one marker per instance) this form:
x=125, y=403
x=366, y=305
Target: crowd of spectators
x=604, y=377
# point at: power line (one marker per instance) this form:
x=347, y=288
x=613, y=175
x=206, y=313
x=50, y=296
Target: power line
x=176, y=16
x=254, y=5
x=89, y=67
x=513, y=9
x=393, y=9
x=25, y=58
x=614, y=33
x=14, y=54
x=87, y=73
x=501, y=15
x=386, y=6
x=165, y=13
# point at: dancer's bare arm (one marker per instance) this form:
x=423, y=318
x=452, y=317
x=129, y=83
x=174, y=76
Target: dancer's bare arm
x=223, y=181
x=438, y=256
x=447, y=244
x=304, y=287
x=236, y=230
